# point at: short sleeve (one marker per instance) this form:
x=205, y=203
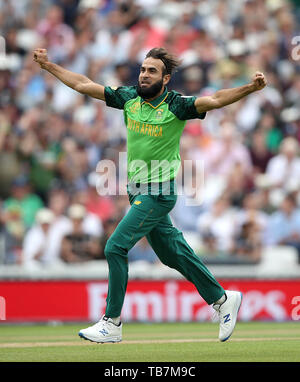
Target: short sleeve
x=117, y=97
x=184, y=107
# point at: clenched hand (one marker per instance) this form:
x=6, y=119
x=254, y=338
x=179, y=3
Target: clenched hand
x=40, y=56
x=259, y=81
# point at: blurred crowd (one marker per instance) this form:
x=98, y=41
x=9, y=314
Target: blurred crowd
x=52, y=138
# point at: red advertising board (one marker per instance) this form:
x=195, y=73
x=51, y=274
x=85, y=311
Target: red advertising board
x=164, y=300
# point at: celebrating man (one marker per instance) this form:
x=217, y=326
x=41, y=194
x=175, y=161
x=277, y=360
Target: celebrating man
x=155, y=119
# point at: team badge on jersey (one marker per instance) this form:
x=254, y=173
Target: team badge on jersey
x=135, y=107
x=159, y=114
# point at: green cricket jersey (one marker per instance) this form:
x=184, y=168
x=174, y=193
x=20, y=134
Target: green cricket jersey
x=153, y=131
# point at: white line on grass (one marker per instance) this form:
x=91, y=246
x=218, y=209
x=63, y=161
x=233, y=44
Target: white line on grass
x=130, y=342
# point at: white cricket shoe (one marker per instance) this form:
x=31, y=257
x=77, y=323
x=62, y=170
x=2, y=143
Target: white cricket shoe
x=227, y=313
x=103, y=331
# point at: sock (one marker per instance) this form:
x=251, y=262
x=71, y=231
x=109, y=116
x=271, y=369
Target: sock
x=221, y=300
x=115, y=320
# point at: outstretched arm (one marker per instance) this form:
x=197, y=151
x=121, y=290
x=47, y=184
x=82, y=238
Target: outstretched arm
x=78, y=82
x=227, y=96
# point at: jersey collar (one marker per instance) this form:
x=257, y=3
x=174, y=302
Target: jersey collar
x=156, y=101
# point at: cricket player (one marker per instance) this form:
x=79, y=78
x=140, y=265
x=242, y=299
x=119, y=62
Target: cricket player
x=155, y=119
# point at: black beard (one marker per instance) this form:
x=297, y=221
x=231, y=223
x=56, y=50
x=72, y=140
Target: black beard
x=151, y=91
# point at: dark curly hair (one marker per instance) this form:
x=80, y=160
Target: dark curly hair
x=171, y=62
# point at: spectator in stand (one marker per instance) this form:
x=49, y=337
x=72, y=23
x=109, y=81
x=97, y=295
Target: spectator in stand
x=217, y=226
x=79, y=245
x=251, y=212
x=42, y=153
x=12, y=230
x=10, y=158
x=22, y=198
x=251, y=223
x=91, y=222
x=263, y=187
x=284, y=167
x=238, y=183
x=259, y=152
x=284, y=225
x=38, y=239
x=73, y=164
x=270, y=127
x=102, y=206
x=247, y=243
x=227, y=151
x=227, y=162
x=58, y=201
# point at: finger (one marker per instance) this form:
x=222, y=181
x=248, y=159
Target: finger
x=258, y=81
x=262, y=83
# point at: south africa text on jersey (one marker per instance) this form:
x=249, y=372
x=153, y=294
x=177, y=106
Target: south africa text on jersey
x=144, y=128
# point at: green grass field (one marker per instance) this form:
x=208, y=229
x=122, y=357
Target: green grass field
x=166, y=342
